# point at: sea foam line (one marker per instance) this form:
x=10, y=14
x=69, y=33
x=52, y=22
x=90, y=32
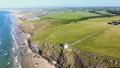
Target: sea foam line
x=15, y=48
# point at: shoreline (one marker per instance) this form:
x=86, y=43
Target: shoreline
x=15, y=53
x=29, y=59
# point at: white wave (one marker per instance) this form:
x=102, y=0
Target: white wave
x=15, y=48
x=16, y=62
x=5, y=54
x=16, y=59
x=8, y=63
x=6, y=51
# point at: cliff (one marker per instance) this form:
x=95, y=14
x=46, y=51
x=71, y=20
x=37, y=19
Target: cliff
x=70, y=58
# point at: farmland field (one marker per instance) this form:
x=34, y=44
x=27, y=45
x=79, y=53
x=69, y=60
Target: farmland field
x=106, y=43
x=71, y=15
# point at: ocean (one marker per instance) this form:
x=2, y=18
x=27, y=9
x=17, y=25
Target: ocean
x=9, y=50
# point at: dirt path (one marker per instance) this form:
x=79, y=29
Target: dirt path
x=77, y=42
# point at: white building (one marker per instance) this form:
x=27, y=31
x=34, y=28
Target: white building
x=32, y=27
x=65, y=45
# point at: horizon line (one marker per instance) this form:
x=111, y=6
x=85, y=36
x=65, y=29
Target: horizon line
x=65, y=7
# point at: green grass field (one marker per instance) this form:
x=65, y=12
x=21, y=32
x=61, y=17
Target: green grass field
x=104, y=12
x=104, y=44
x=70, y=15
x=75, y=31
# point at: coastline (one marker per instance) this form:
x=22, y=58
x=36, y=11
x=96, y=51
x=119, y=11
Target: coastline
x=29, y=59
x=15, y=50
x=61, y=57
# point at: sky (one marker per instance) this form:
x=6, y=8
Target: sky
x=58, y=3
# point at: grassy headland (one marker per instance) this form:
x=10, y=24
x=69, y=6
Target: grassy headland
x=63, y=27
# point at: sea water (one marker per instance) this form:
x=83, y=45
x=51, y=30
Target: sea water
x=9, y=50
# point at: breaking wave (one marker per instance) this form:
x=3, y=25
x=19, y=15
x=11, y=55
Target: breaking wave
x=15, y=48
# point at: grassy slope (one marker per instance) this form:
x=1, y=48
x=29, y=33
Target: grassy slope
x=72, y=32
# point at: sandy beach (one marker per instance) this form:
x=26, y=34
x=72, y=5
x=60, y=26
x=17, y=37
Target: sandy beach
x=30, y=59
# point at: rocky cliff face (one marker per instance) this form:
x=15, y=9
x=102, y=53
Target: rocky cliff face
x=69, y=58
